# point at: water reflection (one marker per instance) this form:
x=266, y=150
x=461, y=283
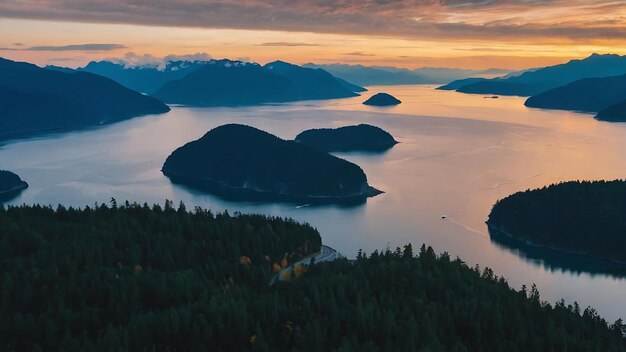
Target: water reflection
x=556, y=260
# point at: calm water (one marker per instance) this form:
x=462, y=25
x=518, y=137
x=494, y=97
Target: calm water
x=458, y=155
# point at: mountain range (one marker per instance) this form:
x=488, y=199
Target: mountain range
x=536, y=81
x=144, y=79
x=236, y=83
x=388, y=75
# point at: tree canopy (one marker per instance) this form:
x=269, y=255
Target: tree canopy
x=137, y=278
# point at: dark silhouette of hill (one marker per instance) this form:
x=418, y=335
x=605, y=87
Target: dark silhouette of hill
x=614, y=113
x=235, y=83
x=454, y=85
x=586, y=217
x=145, y=79
x=240, y=161
x=313, y=83
x=349, y=86
x=537, y=81
x=382, y=99
x=10, y=185
x=37, y=100
x=348, y=138
x=589, y=94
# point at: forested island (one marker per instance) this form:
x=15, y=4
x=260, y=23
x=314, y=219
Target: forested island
x=243, y=162
x=581, y=216
x=382, y=99
x=36, y=100
x=131, y=277
x=10, y=185
x=361, y=137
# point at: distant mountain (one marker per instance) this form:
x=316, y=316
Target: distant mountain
x=349, y=86
x=372, y=76
x=389, y=75
x=348, y=138
x=60, y=69
x=243, y=162
x=144, y=79
x=613, y=113
x=235, y=83
x=454, y=85
x=36, y=100
x=537, y=81
x=445, y=75
x=10, y=185
x=589, y=94
x=382, y=99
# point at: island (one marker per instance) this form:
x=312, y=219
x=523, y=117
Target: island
x=242, y=162
x=238, y=83
x=587, y=217
x=614, y=113
x=10, y=185
x=36, y=100
x=382, y=99
x=361, y=137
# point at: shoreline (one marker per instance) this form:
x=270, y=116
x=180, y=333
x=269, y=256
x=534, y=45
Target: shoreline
x=13, y=192
x=503, y=232
x=219, y=188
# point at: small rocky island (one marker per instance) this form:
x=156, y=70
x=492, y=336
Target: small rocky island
x=10, y=185
x=382, y=99
x=244, y=163
x=362, y=137
x=583, y=217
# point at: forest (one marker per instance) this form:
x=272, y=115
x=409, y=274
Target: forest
x=582, y=216
x=133, y=277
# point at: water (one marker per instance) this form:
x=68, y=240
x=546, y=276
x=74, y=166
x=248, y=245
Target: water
x=458, y=155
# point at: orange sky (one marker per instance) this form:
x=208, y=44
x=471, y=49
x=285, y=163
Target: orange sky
x=477, y=34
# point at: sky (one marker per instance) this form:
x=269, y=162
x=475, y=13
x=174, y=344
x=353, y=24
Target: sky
x=476, y=34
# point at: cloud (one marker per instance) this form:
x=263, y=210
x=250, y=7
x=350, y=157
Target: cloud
x=147, y=60
x=521, y=20
x=287, y=44
x=358, y=53
x=76, y=47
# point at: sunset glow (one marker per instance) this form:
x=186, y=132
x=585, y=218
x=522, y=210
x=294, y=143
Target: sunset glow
x=509, y=34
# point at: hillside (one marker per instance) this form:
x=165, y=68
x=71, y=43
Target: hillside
x=236, y=83
x=124, y=277
x=589, y=94
x=37, y=100
x=613, y=113
x=10, y=185
x=537, y=81
x=144, y=79
x=587, y=217
x=239, y=161
x=348, y=138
